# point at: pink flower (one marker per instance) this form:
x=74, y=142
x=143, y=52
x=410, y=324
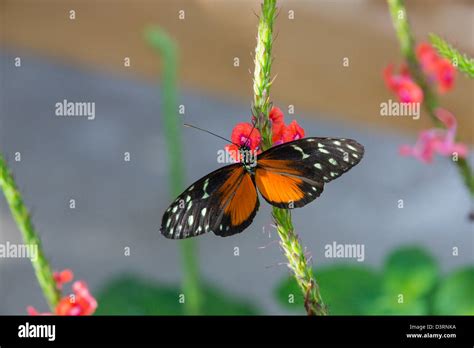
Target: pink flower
x=242, y=134
x=81, y=302
x=278, y=124
x=281, y=133
x=436, y=140
x=403, y=85
x=439, y=70
x=63, y=277
x=292, y=132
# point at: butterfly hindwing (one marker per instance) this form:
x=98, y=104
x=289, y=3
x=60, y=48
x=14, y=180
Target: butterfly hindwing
x=224, y=201
x=239, y=204
x=293, y=174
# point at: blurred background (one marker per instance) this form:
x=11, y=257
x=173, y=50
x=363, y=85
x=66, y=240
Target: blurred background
x=119, y=203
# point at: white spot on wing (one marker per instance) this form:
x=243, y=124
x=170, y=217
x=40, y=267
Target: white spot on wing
x=204, y=189
x=297, y=148
x=351, y=147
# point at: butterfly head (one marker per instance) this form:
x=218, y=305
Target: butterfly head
x=248, y=157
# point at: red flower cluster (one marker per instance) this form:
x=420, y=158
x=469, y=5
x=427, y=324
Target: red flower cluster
x=81, y=302
x=439, y=71
x=281, y=133
x=402, y=85
x=436, y=140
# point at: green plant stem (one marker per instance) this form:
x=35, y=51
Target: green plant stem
x=261, y=107
x=172, y=131
x=407, y=44
x=461, y=61
x=22, y=217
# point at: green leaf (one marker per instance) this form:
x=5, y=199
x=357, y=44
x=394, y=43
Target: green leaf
x=391, y=305
x=455, y=295
x=346, y=289
x=130, y=295
x=410, y=271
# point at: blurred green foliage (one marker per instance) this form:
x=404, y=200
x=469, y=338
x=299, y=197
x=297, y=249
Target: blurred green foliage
x=410, y=283
x=455, y=295
x=131, y=295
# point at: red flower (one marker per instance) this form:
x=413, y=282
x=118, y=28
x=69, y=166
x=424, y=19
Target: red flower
x=242, y=134
x=439, y=70
x=292, y=132
x=63, y=277
x=281, y=133
x=403, y=85
x=79, y=303
x=441, y=141
x=278, y=124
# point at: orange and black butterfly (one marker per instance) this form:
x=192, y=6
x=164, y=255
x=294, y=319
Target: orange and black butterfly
x=289, y=175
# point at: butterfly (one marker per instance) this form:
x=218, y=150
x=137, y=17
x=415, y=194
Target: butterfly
x=289, y=175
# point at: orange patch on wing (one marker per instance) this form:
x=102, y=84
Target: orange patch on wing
x=230, y=184
x=278, y=188
x=278, y=166
x=243, y=202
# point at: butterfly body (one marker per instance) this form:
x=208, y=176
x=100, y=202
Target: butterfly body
x=289, y=175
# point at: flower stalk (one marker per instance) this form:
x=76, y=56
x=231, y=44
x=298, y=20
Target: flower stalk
x=22, y=218
x=167, y=49
x=289, y=240
x=407, y=44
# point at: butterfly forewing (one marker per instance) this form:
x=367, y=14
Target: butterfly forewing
x=293, y=174
x=221, y=202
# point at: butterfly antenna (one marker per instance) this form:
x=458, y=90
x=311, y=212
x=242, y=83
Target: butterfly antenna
x=248, y=138
x=209, y=132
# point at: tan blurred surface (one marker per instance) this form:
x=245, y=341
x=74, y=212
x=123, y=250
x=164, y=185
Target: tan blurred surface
x=308, y=51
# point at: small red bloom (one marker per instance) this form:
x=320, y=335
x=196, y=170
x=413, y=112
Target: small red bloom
x=436, y=140
x=278, y=124
x=292, y=132
x=439, y=70
x=403, y=86
x=63, y=277
x=242, y=134
x=81, y=302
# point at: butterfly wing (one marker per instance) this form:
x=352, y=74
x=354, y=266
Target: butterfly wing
x=293, y=174
x=224, y=202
